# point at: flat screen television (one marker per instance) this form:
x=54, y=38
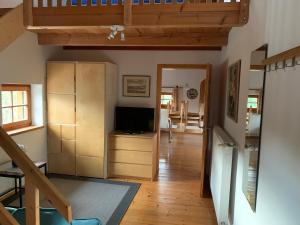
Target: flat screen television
x=134, y=120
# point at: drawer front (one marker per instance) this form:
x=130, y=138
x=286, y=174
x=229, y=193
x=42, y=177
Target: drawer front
x=130, y=170
x=133, y=144
x=135, y=157
x=89, y=166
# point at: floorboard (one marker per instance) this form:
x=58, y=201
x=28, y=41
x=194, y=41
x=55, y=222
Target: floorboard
x=174, y=199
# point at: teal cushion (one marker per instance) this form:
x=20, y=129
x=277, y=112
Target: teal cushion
x=11, y=210
x=51, y=217
x=48, y=217
x=86, y=222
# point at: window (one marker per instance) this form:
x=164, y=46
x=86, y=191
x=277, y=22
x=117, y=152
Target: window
x=15, y=106
x=165, y=99
x=252, y=103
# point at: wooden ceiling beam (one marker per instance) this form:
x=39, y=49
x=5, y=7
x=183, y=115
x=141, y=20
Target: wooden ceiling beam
x=145, y=48
x=154, y=40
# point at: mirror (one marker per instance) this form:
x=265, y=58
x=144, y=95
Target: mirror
x=253, y=121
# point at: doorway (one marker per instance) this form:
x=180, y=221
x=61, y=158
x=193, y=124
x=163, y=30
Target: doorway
x=168, y=99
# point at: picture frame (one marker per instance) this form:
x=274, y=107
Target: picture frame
x=233, y=89
x=136, y=85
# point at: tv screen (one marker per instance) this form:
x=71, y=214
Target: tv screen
x=134, y=120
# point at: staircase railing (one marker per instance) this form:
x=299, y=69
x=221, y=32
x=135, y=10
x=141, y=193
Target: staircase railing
x=35, y=182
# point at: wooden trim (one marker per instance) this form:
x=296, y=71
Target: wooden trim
x=257, y=67
x=206, y=134
x=244, y=11
x=37, y=178
x=289, y=54
x=5, y=217
x=28, y=12
x=24, y=123
x=183, y=40
x=24, y=130
x=208, y=69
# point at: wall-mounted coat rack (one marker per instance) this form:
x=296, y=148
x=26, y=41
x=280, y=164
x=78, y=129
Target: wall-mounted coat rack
x=289, y=58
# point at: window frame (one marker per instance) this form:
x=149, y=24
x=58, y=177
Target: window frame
x=23, y=123
x=165, y=106
x=256, y=110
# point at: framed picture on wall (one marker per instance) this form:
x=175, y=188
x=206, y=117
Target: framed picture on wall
x=136, y=85
x=233, y=89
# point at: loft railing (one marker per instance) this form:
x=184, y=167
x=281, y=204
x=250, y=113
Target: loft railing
x=138, y=13
x=35, y=182
x=64, y=3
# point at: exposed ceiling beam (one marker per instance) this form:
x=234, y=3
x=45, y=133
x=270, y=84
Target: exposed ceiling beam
x=142, y=48
x=154, y=40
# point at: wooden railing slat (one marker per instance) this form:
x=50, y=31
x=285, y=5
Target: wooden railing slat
x=49, y=3
x=32, y=202
x=5, y=217
x=40, y=3
x=37, y=178
x=27, y=11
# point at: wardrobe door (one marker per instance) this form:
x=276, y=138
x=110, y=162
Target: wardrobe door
x=90, y=102
x=61, y=78
x=61, y=117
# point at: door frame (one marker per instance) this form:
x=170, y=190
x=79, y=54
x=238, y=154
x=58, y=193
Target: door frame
x=208, y=68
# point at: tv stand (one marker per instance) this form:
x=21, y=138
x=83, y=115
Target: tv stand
x=133, y=155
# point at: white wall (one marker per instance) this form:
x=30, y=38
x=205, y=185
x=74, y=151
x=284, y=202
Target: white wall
x=183, y=77
x=274, y=22
x=145, y=63
x=24, y=62
x=9, y=3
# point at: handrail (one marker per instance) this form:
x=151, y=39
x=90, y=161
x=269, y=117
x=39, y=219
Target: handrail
x=35, y=181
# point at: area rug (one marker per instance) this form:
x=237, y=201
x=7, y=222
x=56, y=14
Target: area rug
x=93, y=198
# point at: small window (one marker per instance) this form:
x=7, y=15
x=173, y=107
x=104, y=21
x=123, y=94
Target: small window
x=165, y=99
x=252, y=102
x=15, y=106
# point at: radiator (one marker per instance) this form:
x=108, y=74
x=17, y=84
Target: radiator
x=220, y=177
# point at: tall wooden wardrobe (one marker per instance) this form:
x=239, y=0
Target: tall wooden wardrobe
x=81, y=98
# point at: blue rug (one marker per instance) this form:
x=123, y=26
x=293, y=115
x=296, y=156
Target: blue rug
x=106, y=200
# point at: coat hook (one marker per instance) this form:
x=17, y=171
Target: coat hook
x=281, y=65
x=297, y=61
x=273, y=68
x=293, y=63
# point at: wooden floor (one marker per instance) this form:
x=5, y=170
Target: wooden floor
x=174, y=198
